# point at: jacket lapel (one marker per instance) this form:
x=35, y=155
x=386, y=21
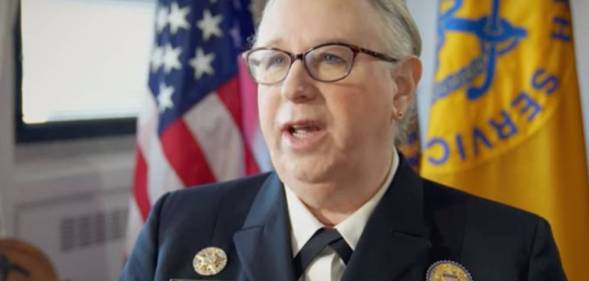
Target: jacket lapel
x=447, y=221
x=394, y=244
x=263, y=243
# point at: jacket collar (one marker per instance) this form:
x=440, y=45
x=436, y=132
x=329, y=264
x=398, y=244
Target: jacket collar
x=395, y=244
x=263, y=243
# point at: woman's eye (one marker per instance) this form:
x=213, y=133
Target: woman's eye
x=275, y=61
x=331, y=58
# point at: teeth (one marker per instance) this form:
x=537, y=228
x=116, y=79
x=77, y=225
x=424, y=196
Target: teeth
x=300, y=134
x=302, y=130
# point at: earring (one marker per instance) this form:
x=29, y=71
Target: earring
x=397, y=114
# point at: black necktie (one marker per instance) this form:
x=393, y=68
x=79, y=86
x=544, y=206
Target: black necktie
x=322, y=238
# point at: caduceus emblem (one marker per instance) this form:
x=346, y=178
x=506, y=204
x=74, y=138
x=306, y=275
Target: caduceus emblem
x=497, y=37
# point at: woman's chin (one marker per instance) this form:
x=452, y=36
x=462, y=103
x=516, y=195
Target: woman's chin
x=306, y=173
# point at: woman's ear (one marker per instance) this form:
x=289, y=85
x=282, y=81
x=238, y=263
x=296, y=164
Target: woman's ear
x=406, y=76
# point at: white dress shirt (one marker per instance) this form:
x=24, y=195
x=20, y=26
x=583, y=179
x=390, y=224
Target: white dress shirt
x=328, y=266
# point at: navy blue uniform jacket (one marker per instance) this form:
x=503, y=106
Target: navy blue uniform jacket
x=417, y=223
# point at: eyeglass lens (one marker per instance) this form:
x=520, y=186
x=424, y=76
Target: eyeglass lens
x=327, y=63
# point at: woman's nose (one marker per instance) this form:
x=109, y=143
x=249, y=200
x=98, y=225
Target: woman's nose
x=297, y=86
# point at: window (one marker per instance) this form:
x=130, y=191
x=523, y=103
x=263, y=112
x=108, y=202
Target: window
x=84, y=66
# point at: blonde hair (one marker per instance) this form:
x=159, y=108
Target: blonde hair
x=402, y=40
x=403, y=37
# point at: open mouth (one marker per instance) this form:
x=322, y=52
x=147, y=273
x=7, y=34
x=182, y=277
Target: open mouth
x=303, y=130
x=302, y=135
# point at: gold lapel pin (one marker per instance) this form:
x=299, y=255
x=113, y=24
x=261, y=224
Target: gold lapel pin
x=447, y=271
x=209, y=261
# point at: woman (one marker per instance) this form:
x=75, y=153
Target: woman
x=336, y=78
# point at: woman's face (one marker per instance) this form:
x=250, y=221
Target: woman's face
x=319, y=131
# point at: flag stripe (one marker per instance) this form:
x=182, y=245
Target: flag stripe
x=140, y=187
x=229, y=93
x=134, y=223
x=189, y=162
x=255, y=150
x=225, y=161
x=140, y=204
x=251, y=166
x=161, y=177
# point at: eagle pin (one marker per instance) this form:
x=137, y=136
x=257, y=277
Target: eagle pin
x=447, y=271
x=209, y=261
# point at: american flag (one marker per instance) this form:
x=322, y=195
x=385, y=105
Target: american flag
x=200, y=121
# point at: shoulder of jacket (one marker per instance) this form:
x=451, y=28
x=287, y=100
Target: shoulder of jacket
x=478, y=208
x=208, y=198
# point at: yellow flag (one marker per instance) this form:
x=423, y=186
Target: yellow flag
x=505, y=121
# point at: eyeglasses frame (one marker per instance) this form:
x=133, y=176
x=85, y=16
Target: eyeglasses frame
x=301, y=56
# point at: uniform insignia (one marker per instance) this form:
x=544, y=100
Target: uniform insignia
x=209, y=261
x=447, y=271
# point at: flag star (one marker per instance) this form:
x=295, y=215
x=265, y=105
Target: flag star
x=157, y=57
x=161, y=18
x=209, y=25
x=177, y=17
x=171, y=58
x=164, y=98
x=202, y=63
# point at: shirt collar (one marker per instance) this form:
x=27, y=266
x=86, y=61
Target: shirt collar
x=304, y=224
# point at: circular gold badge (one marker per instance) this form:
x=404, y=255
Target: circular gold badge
x=447, y=271
x=209, y=261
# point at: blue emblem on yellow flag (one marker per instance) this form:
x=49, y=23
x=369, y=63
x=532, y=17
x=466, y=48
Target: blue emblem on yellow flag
x=505, y=120
x=496, y=37
x=495, y=69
